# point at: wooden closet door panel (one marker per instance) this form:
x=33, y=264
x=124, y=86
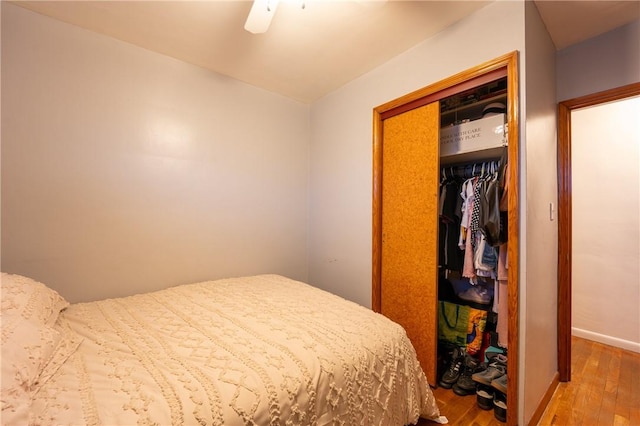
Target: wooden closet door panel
x=409, y=255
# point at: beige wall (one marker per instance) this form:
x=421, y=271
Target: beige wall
x=125, y=171
x=605, y=154
x=539, y=225
x=600, y=63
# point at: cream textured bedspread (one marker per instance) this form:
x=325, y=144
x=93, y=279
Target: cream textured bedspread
x=262, y=350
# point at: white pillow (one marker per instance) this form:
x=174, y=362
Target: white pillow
x=27, y=347
x=31, y=353
x=31, y=349
x=30, y=299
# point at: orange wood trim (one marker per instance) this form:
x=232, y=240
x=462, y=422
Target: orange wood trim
x=537, y=415
x=564, y=213
x=446, y=92
x=564, y=242
x=610, y=95
x=486, y=68
x=376, y=226
x=513, y=286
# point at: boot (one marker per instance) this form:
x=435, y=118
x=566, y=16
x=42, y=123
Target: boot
x=453, y=373
x=465, y=385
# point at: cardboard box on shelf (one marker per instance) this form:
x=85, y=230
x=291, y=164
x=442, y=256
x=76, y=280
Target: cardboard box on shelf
x=477, y=135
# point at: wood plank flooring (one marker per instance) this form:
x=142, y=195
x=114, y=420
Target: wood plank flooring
x=604, y=390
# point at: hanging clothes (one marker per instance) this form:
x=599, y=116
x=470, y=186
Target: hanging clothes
x=470, y=197
x=450, y=255
x=490, y=211
x=473, y=221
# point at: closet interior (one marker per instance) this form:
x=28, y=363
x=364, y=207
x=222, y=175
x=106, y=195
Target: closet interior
x=472, y=245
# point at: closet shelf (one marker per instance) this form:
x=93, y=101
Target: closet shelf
x=472, y=111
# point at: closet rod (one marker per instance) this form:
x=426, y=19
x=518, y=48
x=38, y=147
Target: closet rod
x=469, y=170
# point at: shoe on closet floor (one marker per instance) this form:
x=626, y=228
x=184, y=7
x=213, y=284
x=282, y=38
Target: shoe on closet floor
x=465, y=385
x=450, y=377
x=447, y=351
x=484, y=397
x=500, y=407
x=493, y=371
x=500, y=383
x=492, y=352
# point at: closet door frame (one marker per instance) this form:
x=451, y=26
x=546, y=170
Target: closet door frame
x=506, y=65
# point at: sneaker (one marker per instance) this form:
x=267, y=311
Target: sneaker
x=453, y=373
x=465, y=385
x=494, y=371
x=484, y=397
x=500, y=407
x=500, y=383
x=491, y=354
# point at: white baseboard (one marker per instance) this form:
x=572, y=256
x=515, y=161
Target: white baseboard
x=607, y=340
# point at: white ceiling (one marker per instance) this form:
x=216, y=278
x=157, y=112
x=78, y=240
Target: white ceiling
x=311, y=51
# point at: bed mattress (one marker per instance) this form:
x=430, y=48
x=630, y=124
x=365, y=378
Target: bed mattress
x=260, y=350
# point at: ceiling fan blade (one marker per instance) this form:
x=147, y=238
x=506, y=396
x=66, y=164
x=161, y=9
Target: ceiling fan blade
x=260, y=16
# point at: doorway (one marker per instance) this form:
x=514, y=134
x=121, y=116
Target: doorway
x=565, y=237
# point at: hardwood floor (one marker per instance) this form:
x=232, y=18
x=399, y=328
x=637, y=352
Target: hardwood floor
x=604, y=390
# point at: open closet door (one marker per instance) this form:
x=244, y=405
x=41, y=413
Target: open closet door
x=409, y=246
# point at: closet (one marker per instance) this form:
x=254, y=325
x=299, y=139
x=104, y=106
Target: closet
x=420, y=140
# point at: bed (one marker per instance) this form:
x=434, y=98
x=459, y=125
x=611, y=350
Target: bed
x=258, y=350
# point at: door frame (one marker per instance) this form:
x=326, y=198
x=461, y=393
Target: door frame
x=506, y=65
x=564, y=213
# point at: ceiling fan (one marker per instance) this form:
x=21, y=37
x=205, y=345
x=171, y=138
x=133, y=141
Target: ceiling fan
x=262, y=12
x=260, y=15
